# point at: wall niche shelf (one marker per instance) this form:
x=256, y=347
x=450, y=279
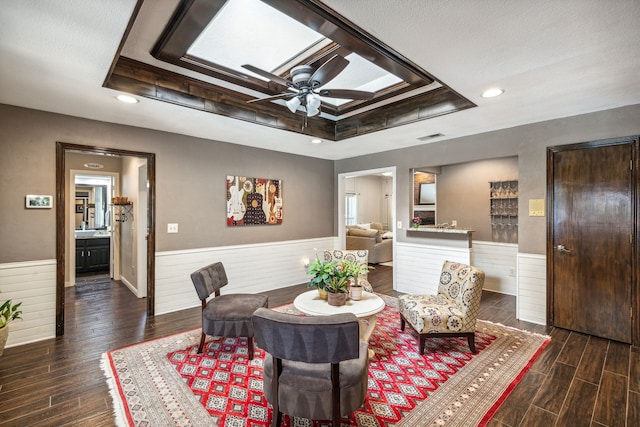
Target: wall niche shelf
x=503, y=198
x=121, y=210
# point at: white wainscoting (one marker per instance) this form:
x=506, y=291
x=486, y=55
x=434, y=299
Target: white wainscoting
x=417, y=267
x=531, y=298
x=33, y=283
x=250, y=269
x=499, y=263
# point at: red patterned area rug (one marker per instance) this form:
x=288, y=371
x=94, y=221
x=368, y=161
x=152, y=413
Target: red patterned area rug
x=164, y=382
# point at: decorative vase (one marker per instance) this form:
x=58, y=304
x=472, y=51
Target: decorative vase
x=337, y=299
x=322, y=293
x=356, y=292
x=4, y=334
x=416, y=225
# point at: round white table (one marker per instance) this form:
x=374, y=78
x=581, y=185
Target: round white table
x=366, y=310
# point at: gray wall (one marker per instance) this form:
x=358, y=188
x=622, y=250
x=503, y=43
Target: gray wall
x=190, y=184
x=191, y=172
x=528, y=143
x=463, y=193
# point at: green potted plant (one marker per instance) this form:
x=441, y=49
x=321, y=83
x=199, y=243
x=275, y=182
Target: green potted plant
x=355, y=269
x=322, y=272
x=332, y=278
x=8, y=313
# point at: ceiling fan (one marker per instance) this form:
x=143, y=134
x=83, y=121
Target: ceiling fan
x=307, y=80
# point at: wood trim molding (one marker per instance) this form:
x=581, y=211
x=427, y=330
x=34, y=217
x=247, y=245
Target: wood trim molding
x=156, y=83
x=61, y=149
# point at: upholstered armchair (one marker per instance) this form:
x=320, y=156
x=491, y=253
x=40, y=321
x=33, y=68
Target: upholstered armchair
x=453, y=312
x=226, y=315
x=316, y=367
x=362, y=256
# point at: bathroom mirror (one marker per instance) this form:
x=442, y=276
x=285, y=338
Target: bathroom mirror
x=91, y=208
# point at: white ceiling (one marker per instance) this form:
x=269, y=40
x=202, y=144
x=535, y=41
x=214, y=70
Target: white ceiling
x=554, y=58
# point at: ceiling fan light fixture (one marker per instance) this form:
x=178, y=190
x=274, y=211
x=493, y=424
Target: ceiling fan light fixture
x=313, y=104
x=293, y=104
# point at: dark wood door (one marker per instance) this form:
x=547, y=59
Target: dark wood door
x=592, y=245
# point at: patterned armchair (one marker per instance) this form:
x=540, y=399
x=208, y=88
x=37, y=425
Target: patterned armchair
x=351, y=255
x=453, y=312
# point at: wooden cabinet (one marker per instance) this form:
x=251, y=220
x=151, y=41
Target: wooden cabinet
x=92, y=255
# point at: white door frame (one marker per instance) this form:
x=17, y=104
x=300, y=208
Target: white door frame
x=71, y=225
x=341, y=193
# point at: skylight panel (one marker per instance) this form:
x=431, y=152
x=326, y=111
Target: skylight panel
x=251, y=32
x=360, y=74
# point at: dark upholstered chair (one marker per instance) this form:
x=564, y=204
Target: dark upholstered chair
x=453, y=312
x=316, y=366
x=226, y=315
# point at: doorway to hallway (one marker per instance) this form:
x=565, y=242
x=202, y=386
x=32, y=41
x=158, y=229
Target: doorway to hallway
x=65, y=213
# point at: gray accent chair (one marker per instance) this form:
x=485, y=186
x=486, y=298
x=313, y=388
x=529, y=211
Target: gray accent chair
x=226, y=315
x=316, y=367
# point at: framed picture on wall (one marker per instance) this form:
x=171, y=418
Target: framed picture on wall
x=34, y=201
x=254, y=201
x=427, y=194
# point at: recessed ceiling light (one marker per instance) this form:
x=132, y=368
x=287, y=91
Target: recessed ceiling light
x=316, y=141
x=490, y=93
x=127, y=99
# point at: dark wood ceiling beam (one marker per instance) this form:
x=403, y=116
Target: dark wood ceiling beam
x=420, y=107
x=155, y=83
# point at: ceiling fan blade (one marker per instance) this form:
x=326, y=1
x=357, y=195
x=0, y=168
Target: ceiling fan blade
x=328, y=71
x=268, y=75
x=346, y=94
x=271, y=98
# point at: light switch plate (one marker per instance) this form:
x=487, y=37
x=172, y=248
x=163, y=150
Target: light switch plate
x=536, y=207
x=172, y=228
x=399, y=225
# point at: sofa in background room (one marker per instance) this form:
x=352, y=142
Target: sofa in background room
x=373, y=238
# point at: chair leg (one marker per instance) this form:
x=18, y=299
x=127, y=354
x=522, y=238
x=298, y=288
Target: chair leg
x=250, y=347
x=471, y=338
x=402, y=323
x=276, y=416
x=422, y=341
x=335, y=394
x=202, y=338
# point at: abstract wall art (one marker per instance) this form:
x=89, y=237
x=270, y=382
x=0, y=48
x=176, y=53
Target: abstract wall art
x=253, y=201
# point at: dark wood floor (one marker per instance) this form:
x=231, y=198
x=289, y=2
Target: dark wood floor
x=577, y=381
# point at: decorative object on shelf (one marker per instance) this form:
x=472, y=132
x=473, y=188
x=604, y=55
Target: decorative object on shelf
x=120, y=200
x=503, y=196
x=122, y=208
x=416, y=221
x=33, y=201
x=8, y=313
x=253, y=201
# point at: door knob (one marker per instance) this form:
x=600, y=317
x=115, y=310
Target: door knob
x=562, y=249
